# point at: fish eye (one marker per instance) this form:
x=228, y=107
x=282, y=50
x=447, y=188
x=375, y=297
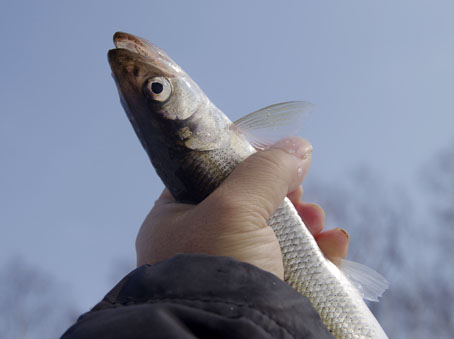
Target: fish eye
x=158, y=88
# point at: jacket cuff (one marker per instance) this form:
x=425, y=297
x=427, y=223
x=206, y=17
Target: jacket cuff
x=197, y=285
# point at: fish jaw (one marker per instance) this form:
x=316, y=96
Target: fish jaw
x=147, y=49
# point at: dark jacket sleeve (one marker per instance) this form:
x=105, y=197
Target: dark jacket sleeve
x=200, y=296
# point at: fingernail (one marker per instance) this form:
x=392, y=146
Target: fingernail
x=345, y=233
x=299, y=147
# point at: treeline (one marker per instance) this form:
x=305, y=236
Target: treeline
x=408, y=237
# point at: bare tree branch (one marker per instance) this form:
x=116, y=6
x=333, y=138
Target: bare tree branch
x=32, y=303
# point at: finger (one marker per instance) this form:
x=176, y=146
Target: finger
x=296, y=195
x=259, y=184
x=312, y=215
x=333, y=243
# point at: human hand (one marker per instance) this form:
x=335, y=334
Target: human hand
x=232, y=220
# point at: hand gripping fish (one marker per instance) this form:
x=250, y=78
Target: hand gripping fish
x=193, y=146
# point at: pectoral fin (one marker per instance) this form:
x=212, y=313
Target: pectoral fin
x=264, y=127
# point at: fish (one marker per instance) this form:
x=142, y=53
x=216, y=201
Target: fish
x=194, y=146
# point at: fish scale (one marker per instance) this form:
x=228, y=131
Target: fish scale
x=311, y=274
x=194, y=147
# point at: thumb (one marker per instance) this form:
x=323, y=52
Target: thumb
x=259, y=184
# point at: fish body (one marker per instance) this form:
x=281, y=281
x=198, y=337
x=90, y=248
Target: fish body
x=193, y=146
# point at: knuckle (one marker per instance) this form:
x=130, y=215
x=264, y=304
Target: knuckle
x=274, y=165
x=242, y=206
x=228, y=203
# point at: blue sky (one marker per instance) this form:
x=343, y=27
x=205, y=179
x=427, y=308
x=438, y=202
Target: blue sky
x=75, y=184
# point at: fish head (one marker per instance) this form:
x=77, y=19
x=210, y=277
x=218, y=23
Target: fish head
x=149, y=82
x=172, y=117
x=161, y=100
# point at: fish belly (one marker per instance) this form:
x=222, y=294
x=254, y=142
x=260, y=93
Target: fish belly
x=337, y=301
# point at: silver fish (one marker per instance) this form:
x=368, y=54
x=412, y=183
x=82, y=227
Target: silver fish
x=193, y=146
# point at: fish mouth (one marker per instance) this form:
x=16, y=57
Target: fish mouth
x=136, y=45
x=152, y=53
